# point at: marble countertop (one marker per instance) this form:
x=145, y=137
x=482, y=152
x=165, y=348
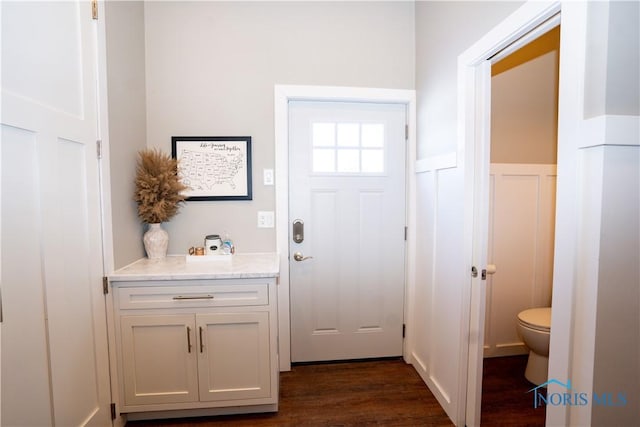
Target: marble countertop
x=176, y=267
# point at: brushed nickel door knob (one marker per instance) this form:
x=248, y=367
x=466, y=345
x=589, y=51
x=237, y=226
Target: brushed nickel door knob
x=299, y=257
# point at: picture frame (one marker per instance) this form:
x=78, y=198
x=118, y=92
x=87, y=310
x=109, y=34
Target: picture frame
x=214, y=167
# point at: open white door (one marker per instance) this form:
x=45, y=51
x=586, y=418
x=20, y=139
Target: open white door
x=478, y=166
x=55, y=358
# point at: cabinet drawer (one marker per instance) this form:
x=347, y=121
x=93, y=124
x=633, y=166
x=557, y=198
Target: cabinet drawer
x=192, y=296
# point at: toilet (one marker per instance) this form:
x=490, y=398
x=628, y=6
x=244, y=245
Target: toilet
x=534, y=326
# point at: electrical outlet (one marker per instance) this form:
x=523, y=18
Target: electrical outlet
x=267, y=175
x=266, y=219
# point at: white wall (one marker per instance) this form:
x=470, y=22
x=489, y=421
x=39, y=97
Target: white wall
x=443, y=31
x=615, y=278
x=612, y=66
x=524, y=104
x=211, y=68
x=617, y=355
x=124, y=23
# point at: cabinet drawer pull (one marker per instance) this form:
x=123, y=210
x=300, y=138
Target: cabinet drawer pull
x=201, y=343
x=182, y=297
x=189, y=339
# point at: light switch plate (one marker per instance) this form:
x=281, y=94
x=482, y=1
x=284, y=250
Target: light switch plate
x=266, y=219
x=267, y=175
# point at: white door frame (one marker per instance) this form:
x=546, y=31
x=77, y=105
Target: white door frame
x=282, y=95
x=473, y=148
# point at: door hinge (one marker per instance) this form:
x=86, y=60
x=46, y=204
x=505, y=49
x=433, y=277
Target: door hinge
x=406, y=132
x=99, y=148
x=404, y=330
x=105, y=285
x=113, y=411
x=94, y=9
x=406, y=232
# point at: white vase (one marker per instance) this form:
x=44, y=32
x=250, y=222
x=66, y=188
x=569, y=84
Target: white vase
x=156, y=241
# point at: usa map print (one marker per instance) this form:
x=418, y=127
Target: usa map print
x=213, y=168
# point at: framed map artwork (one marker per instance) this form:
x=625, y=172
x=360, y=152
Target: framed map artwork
x=214, y=167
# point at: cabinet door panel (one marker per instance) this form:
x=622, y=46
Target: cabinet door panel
x=159, y=366
x=233, y=360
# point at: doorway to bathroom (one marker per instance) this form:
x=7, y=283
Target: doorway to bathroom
x=521, y=214
x=522, y=183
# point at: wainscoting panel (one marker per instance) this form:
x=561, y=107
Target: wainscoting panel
x=521, y=239
x=435, y=332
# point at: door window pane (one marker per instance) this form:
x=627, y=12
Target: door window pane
x=348, y=134
x=324, y=134
x=349, y=160
x=324, y=160
x=373, y=135
x=372, y=161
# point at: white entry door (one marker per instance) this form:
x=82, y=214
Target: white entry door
x=347, y=219
x=55, y=367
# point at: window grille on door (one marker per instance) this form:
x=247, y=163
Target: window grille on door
x=348, y=148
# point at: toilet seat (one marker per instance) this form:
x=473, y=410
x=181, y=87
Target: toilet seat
x=538, y=319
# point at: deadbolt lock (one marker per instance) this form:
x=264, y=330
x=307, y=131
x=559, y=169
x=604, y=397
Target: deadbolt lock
x=298, y=231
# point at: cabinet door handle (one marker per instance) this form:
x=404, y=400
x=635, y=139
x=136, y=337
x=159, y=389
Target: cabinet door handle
x=189, y=339
x=201, y=343
x=181, y=297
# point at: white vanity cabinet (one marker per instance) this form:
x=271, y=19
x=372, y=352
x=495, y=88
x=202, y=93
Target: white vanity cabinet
x=205, y=343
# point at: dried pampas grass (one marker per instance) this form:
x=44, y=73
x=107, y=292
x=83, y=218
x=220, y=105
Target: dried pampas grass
x=158, y=188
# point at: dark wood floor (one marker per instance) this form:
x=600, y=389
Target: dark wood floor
x=384, y=392
x=380, y=392
x=505, y=397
